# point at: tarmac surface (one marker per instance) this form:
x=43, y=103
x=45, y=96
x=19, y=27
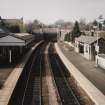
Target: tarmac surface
x=88, y=68
x=5, y=70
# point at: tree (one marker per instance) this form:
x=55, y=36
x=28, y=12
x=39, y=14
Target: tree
x=67, y=37
x=29, y=27
x=34, y=26
x=104, y=25
x=76, y=31
x=100, y=26
x=14, y=28
x=82, y=24
x=104, y=22
x=1, y=22
x=95, y=23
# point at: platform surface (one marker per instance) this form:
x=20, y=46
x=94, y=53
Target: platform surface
x=88, y=68
x=86, y=74
x=10, y=83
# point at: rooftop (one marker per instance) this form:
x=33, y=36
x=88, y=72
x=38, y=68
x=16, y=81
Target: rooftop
x=12, y=21
x=87, y=39
x=23, y=36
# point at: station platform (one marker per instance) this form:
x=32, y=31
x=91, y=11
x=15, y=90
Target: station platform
x=88, y=77
x=10, y=83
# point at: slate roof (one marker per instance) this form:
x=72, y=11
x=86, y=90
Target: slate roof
x=87, y=39
x=23, y=36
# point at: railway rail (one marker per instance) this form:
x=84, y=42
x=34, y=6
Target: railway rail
x=65, y=92
x=29, y=87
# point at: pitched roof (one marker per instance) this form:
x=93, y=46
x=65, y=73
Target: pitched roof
x=87, y=39
x=23, y=36
x=12, y=21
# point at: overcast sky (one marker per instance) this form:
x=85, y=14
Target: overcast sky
x=49, y=11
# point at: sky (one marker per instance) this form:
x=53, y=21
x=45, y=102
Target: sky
x=48, y=11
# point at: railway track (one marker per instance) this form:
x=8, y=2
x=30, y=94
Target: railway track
x=29, y=89
x=65, y=92
x=32, y=93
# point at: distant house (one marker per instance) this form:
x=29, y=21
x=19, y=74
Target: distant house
x=14, y=25
x=13, y=21
x=86, y=46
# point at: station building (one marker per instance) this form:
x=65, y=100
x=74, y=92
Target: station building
x=86, y=46
x=12, y=45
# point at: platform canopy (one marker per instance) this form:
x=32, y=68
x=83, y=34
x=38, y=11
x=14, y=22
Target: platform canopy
x=20, y=39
